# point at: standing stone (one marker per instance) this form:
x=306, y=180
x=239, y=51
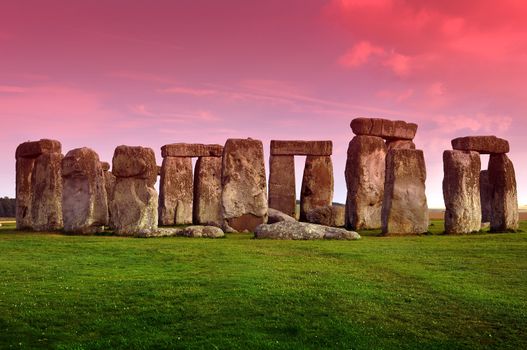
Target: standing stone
x=244, y=194
x=85, y=206
x=365, y=182
x=39, y=185
x=207, y=192
x=502, y=178
x=176, y=191
x=134, y=205
x=461, y=192
x=282, y=193
x=404, y=209
x=400, y=144
x=317, y=184
x=109, y=185
x=485, y=195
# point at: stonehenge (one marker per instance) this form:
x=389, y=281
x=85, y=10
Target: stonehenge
x=180, y=203
x=39, y=185
x=473, y=196
x=317, y=180
x=379, y=155
x=84, y=198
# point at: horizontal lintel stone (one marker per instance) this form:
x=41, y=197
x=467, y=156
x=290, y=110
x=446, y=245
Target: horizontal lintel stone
x=191, y=150
x=301, y=148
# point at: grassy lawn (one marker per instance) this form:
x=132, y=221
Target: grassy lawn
x=100, y=292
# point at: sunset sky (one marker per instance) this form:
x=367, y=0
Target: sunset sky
x=105, y=73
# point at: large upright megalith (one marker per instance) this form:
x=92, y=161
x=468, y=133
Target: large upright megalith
x=461, y=191
x=207, y=192
x=365, y=169
x=84, y=199
x=317, y=184
x=485, y=192
x=404, y=210
x=134, y=205
x=282, y=189
x=39, y=185
x=244, y=194
x=502, y=179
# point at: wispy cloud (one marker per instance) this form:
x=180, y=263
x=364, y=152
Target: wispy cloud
x=11, y=89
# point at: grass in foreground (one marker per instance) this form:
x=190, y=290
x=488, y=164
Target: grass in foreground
x=428, y=292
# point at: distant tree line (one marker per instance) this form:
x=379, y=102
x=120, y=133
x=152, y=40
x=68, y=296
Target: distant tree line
x=7, y=207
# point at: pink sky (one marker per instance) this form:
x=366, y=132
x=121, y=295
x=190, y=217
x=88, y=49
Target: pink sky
x=101, y=74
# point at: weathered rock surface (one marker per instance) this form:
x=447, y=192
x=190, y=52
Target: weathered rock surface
x=191, y=150
x=190, y=231
x=405, y=210
x=485, y=196
x=400, y=144
x=207, y=192
x=84, y=199
x=282, y=193
x=135, y=202
x=176, y=191
x=461, y=191
x=333, y=215
x=244, y=195
x=105, y=166
x=135, y=162
x=317, y=184
x=301, y=148
x=481, y=144
x=302, y=231
x=387, y=129
x=502, y=178
x=277, y=216
x=109, y=185
x=365, y=168
x=39, y=186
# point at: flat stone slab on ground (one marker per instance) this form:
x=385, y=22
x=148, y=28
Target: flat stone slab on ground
x=387, y=129
x=191, y=150
x=195, y=231
x=302, y=231
x=301, y=148
x=481, y=144
x=275, y=216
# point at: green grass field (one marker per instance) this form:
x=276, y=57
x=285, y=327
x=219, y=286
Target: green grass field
x=100, y=292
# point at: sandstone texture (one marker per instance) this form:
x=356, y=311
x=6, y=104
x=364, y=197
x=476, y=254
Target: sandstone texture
x=105, y=166
x=244, y=194
x=277, y=216
x=502, y=179
x=135, y=202
x=282, y=192
x=333, y=215
x=301, y=148
x=176, y=191
x=207, y=192
x=481, y=144
x=400, y=144
x=405, y=210
x=84, y=199
x=194, y=231
x=302, y=231
x=39, y=186
x=109, y=185
x=387, y=129
x=191, y=150
x=365, y=168
x=485, y=196
x=317, y=184
x=461, y=192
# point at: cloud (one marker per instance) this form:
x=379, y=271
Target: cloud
x=360, y=54
x=475, y=124
x=10, y=89
x=189, y=91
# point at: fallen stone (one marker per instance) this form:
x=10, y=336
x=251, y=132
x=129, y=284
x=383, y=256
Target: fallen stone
x=207, y=192
x=191, y=150
x=502, y=178
x=387, y=129
x=277, y=216
x=244, y=195
x=282, y=192
x=84, y=199
x=176, y=191
x=135, y=162
x=302, y=231
x=461, y=192
x=404, y=210
x=481, y=144
x=365, y=168
x=485, y=196
x=33, y=149
x=301, y=148
x=332, y=215
x=400, y=144
x=317, y=184
x=202, y=231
